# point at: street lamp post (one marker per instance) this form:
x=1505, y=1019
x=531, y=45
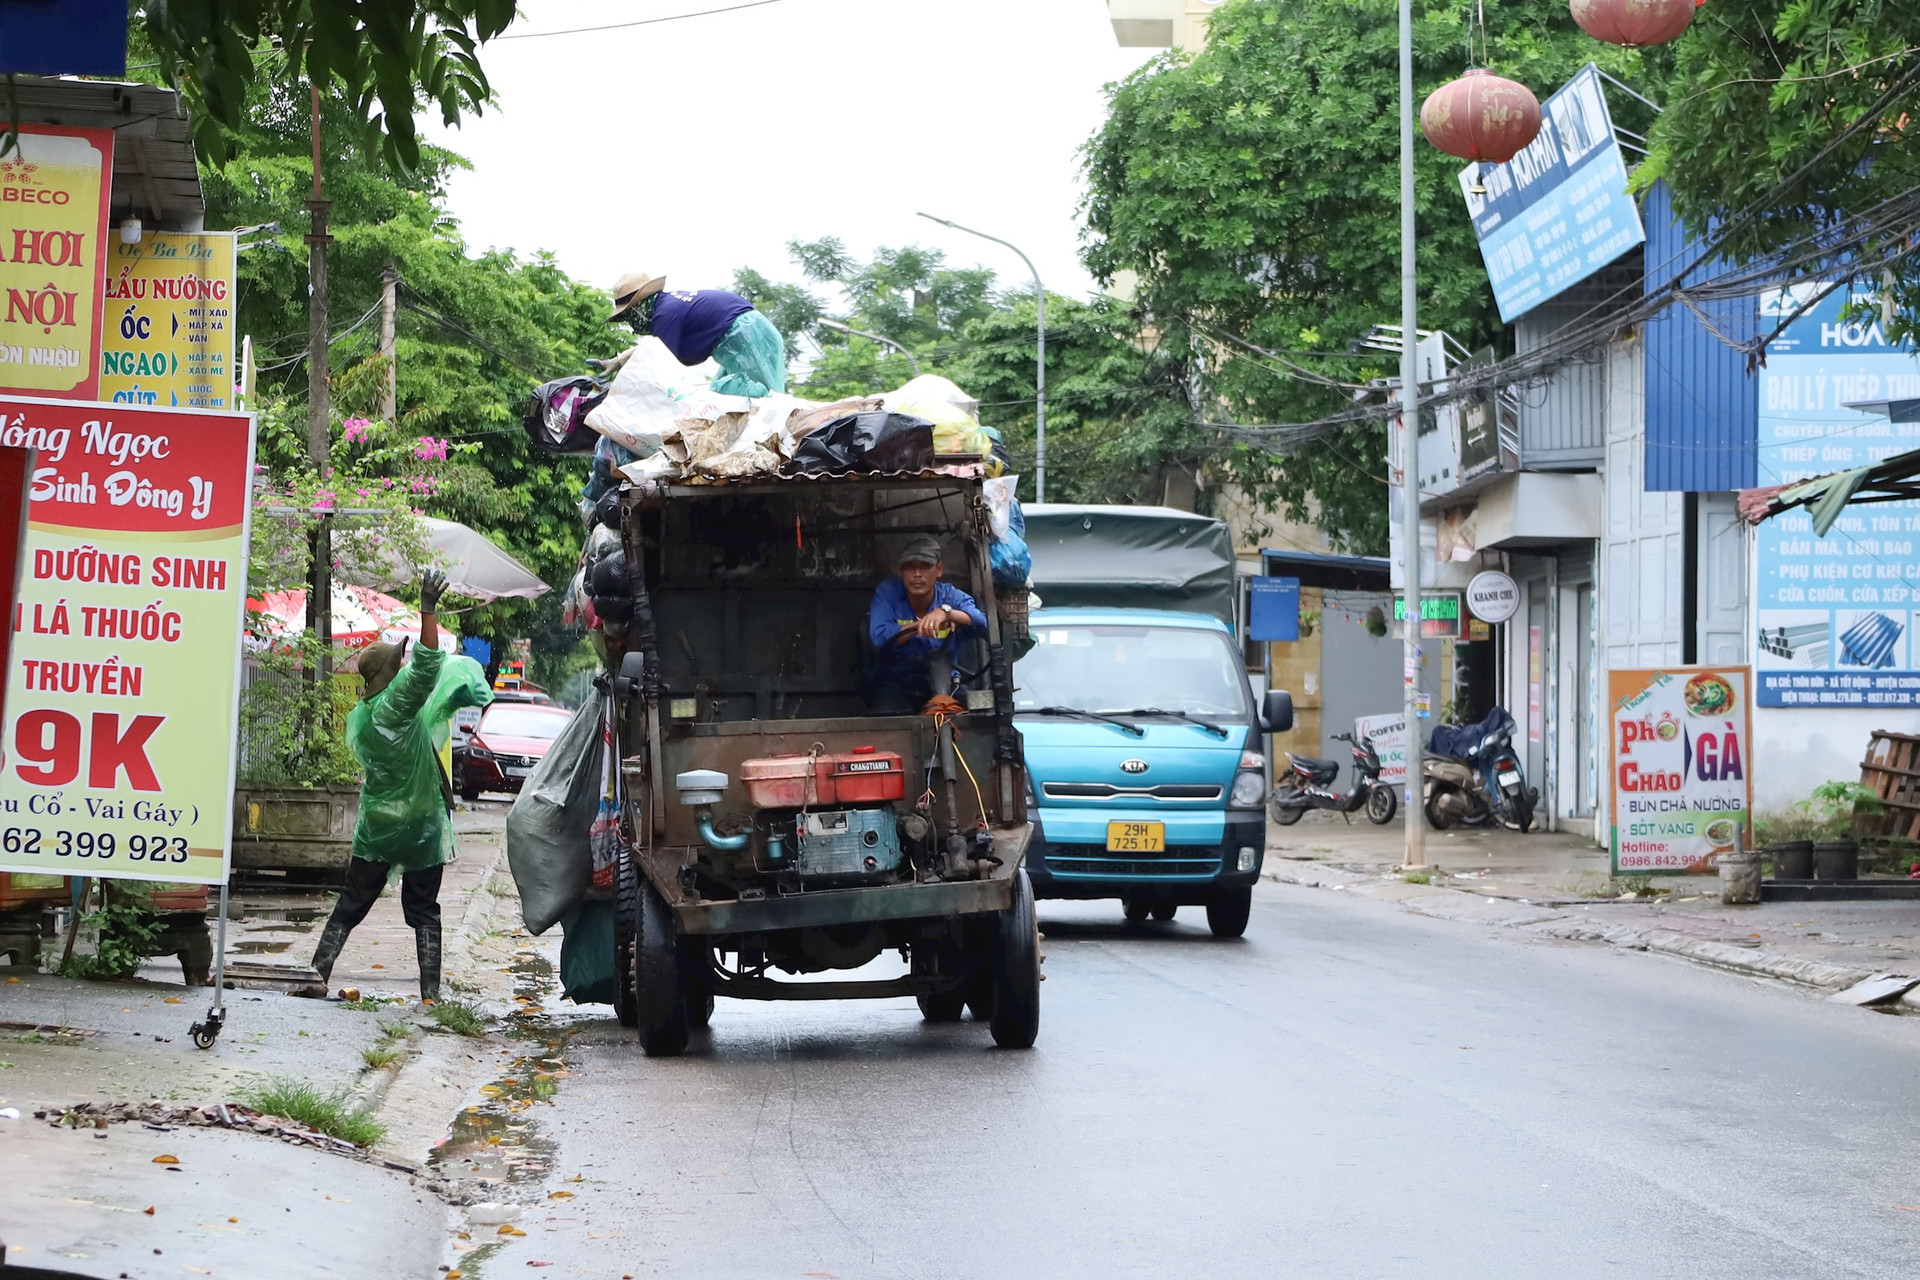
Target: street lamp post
x=912, y=360
x=1040, y=359
x=1416, y=849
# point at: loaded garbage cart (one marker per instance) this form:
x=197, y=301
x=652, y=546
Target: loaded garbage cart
x=776, y=827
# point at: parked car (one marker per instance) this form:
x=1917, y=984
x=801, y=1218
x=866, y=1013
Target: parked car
x=467, y=719
x=504, y=747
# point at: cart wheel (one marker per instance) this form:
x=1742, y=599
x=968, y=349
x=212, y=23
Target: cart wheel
x=1136, y=910
x=979, y=992
x=930, y=958
x=626, y=920
x=1164, y=911
x=659, y=980
x=1016, y=970
x=205, y=1033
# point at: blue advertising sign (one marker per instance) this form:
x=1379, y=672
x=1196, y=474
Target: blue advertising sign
x=63, y=37
x=1273, y=608
x=1838, y=615
x=1559, y=211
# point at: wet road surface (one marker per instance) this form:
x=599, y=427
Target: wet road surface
x=1348, y=1091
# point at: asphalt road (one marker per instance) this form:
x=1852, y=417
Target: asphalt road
x=1348, y=1091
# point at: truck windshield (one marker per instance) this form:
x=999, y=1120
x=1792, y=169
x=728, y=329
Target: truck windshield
x=1119, y=668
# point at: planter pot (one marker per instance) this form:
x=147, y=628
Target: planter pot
x=305, y=829
x=1836, y=860
x=1792, y=859
x=1739, y=876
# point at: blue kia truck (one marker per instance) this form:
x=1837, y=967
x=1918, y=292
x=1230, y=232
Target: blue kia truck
x=1145, y=748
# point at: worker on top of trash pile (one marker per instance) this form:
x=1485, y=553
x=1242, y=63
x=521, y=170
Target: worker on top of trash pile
x=404, y=801
x=706, y=323
x=914, y=616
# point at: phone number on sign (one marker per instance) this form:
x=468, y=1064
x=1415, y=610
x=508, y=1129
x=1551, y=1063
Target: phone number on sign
x=32, y=842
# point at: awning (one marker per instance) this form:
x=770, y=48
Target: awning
x=1895, y=480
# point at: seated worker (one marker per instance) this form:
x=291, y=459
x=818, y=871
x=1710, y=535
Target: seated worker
x=913, y=617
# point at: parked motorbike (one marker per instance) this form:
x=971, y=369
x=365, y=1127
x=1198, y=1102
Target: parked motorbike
x=1308, y=784
x=1472, y=776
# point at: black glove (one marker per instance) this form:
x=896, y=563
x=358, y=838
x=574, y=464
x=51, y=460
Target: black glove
x=433, y=585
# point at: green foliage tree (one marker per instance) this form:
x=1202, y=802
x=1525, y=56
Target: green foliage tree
x=1761, y=89
x=1253, y=189
x=384, y=58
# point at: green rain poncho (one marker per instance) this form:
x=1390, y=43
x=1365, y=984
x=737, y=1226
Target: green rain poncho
x=396, y=736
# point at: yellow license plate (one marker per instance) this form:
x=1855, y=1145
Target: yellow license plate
x=1137, y=837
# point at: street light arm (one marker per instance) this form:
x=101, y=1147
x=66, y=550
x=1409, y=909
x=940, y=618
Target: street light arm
x=1040, y=358
x=882, y=339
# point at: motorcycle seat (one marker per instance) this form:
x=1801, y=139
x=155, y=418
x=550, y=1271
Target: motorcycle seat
x=1316, y=767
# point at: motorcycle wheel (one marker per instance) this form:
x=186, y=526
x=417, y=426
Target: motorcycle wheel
x=1284, y=814
x=1382, y=803
x=1436, y=816
x=1523, y=816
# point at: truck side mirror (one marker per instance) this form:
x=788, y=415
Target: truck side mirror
x=1276, y=712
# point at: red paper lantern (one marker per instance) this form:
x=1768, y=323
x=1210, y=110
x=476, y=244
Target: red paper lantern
x=1634, y=23
x=1481, y=117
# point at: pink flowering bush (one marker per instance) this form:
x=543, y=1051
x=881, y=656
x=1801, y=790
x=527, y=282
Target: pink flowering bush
x=356, y=430
x=431, y=450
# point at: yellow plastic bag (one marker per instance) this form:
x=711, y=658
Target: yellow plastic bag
x=954, y=430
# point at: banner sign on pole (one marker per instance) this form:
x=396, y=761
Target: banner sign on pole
x=122, y=692
x=1682, y=779
x=1273, y=609
x=1559, y=211
x=167, y=336
x=53, y=232
x=1388, y=734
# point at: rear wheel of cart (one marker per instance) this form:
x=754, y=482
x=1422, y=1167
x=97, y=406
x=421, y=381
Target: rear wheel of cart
x=933, y=955
x=626, y=923
x=660, y=981
x=1227, y=914
x=1016, y=970
x=1165, y=910
x=1137, y=910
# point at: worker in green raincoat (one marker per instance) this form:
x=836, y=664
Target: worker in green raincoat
x=396, y=733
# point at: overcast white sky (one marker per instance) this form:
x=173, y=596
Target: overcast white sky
x=694, y=147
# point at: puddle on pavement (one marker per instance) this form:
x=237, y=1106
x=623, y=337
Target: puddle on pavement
x=498, y=1140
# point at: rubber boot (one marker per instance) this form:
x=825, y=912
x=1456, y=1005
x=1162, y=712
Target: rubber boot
x=332, y=939
x=426, y=945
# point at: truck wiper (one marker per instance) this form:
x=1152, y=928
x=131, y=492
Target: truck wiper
x=1077, y=713
x=1177, y=715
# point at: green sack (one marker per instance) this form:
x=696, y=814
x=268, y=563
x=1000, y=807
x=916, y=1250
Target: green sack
x=752, y=358
x=586, y=952
x=395, y=735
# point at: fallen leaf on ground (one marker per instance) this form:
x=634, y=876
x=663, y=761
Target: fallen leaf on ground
x=233, y=1219
x=148, y=1211
x=171, y=1000
x=377, y=966
x=1909, y=1208
x=508, y=1229
x=559, y=1195
x=453, y=1275
x=166, y=1159
x=532, y=1263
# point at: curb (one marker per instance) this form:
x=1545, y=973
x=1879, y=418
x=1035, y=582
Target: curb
x=1445, y=904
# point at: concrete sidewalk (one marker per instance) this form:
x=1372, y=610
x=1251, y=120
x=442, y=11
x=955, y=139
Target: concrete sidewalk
x=64, y=1041
x=1559, y=885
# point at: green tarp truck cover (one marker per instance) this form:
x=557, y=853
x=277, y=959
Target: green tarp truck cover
x=1130, y=558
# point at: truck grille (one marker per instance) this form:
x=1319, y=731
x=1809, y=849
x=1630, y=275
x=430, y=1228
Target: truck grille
x=1096, y=860
x=1106, y=791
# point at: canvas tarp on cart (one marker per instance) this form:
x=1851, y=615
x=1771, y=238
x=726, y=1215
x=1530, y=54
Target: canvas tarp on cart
x=1093, y=557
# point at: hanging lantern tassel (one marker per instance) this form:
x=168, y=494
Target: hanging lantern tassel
x=1481, y=117
x=1634, y=23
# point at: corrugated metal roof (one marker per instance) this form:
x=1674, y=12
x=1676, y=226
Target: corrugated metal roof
x=1702, y=402
x=154, y=170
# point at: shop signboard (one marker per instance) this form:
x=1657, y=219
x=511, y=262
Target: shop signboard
x=53, y=232
x=1273, y=609
x=1493, y=596
x=1388, y=734
x=1838, y=615
x=1559, y=211
x=167, y=334
x=123, y=684
x=1682, y=778
x=1440, y=614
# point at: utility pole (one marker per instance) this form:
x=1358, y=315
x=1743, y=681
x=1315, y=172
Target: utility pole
x=319, y=406
x=1416, y=854
x=390, y=377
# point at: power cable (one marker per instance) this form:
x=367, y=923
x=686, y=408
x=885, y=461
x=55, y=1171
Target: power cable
x=641, y=22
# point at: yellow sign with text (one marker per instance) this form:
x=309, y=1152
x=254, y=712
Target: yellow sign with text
x=167, y=335
x=53, y=230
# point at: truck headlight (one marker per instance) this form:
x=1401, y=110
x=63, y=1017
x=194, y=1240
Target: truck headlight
x=1249, y=789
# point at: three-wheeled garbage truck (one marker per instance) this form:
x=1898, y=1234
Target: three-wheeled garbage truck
x=778, y=829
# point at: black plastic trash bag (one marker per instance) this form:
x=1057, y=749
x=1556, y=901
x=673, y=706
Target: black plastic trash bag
x=548, y=829
x=867, y=442
x=556, y=416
